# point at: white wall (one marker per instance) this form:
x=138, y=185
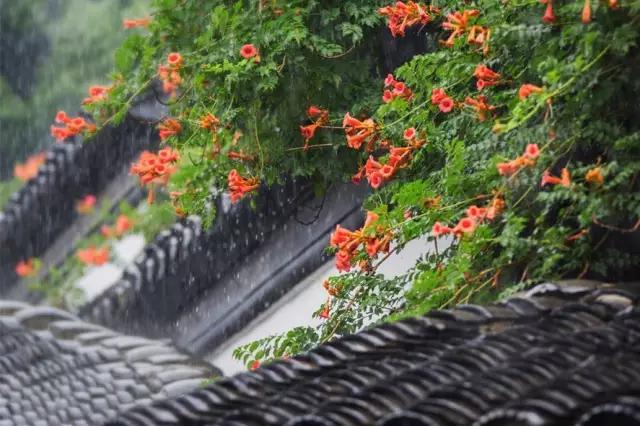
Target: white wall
x=295, y=308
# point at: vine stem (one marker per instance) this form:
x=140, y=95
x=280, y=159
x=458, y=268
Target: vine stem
x=634, y=228
x=544, y=99
x=255, y=130
x=344, y=311
x=304, y=148
x=127, y=104
x=450, y=206
x=477, y=289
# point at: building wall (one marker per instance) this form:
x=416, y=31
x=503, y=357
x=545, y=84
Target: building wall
x=295, y=308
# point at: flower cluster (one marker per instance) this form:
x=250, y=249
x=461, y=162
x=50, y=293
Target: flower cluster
x=93, y=256
x=169, y=127
x=319, y=118
x=122, y=225
x=86, y=205
x=332, y=290
x=239, y=186
x=439, y=97
x=72, y=126
x=372, y=237
x=377, y=173
x=404, y=15
x=480, y=105
x=29, y=169
x=459, y=24
x=528, y=159
x=486, y=77
x=127, y=24
x=169, y=73
x=155, y=168
x=209, y=122
x=474, y=216
x=96, y=94
x=395, y=89
x=28, y=268
x=359, y=132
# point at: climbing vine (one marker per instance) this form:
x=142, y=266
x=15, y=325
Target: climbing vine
x=511, y=143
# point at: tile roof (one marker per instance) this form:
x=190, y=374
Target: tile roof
x=58, y=370
x=69, y=172
x=558, y=355
x=200, y=285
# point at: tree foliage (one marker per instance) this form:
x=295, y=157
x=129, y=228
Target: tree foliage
x=532, y=172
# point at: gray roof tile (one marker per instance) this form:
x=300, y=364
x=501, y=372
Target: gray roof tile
x=57, y=369
x=554, y=356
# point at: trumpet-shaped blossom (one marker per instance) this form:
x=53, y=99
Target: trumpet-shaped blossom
x=169, y=73
x=174, y=59
x=240, y=186
x=549, y=179
x=481, y=106
x=72, y=126
x=127, y=24
x=371, y=239
x=532, y=151
x=96, y=94
x=27, y=268
x=474, y=216
x=549, y=17
x=495, y=208
x=86, y=205
x=459, y=23
x=476, y=213
x=409, y=133
x=249, y=51
x=594, y=176
x=122, y=225
x=527, y=159
x=308, y=132
x=324, y=314
x=439, y=97
x=319, y=118
x=209, y=122
x=378, y=173
x=446, y=105
x=466, y=225
x=359, y=132
x=154, y=169
x=485, y=76
x=93, y=256
x=395, y=89
x=405, y=15
x=331, y=289
x=586, y=12
x=527, y=90
x=169, y=127
x=439, y=229
x=29, y=169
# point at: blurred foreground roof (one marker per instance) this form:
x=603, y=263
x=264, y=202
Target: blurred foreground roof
x=559, y=355
x=58, y=370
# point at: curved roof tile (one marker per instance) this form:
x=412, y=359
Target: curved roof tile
x=559, y=354
x=58, y=370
